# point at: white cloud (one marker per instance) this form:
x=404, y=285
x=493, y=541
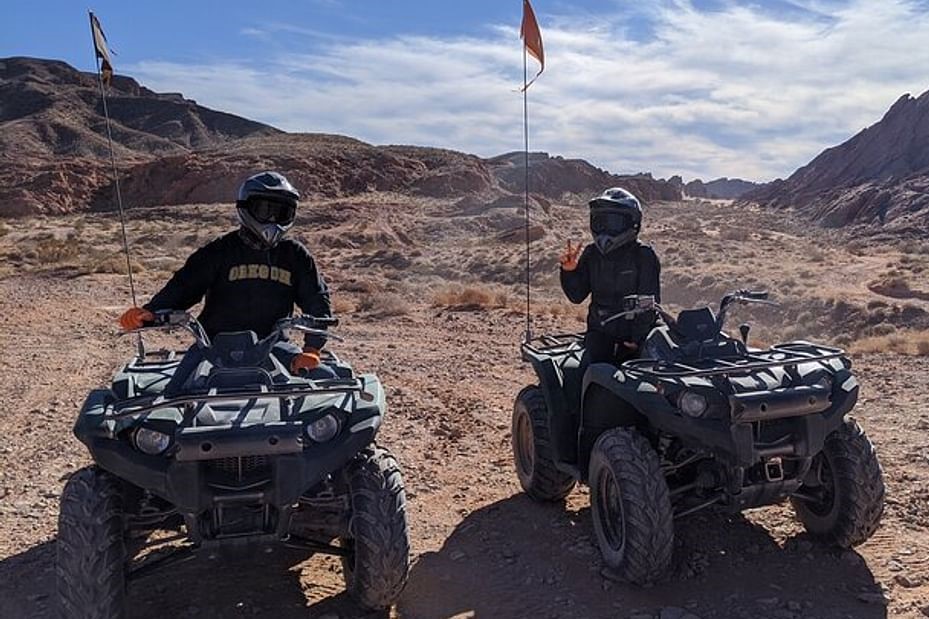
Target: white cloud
x=738, y=92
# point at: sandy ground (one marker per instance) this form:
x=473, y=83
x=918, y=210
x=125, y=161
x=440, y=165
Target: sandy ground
x=481, y=548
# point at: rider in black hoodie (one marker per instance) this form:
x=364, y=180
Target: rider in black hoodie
x=250, y=278
x=614, y=266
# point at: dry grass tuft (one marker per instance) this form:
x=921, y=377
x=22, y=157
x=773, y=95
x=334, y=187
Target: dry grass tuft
x=905, y=342
x=341, y=305
x=383, y=305
x=470, y=298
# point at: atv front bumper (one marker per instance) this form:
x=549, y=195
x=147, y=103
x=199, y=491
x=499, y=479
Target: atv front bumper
x=246, y=470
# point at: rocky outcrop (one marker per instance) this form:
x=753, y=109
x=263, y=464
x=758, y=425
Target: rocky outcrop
x=879, y=177
x=553, y=177
x=719, y=189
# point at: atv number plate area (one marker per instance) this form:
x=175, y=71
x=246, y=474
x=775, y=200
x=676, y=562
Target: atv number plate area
x=213, y=442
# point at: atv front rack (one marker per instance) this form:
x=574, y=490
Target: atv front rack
x=779, y=355
x=141, y=405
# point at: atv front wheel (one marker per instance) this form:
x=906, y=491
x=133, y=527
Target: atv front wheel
x=532, y=449
x=377, y=567
x=844, y=500
x=91, y=562
x=631, y=507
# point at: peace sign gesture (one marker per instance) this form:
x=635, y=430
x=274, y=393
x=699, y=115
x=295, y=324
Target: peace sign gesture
x=570, y=256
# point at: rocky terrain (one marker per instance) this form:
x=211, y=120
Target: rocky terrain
x=430, y=299
x=879, y=177
x=54, y=157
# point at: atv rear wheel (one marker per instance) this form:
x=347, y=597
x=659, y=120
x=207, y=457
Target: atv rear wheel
x=91, y=562
x=631, y=507
x=847, y=496
x=376, y=570
x=532, y=449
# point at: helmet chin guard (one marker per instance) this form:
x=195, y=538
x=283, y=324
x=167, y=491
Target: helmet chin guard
x=609, y=242
x=267, y=235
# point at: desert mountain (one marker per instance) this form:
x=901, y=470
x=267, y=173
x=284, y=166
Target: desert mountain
x=54, y=158
x=554, y=176
x=880, y=176
x=721, y=188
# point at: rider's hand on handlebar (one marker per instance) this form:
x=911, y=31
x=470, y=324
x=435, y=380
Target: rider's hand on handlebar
x=135, y=318
x=307, y=360
x=570, y=256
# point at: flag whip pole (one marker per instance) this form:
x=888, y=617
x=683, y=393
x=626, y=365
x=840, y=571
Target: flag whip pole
x=528, y=335
x=119, y=196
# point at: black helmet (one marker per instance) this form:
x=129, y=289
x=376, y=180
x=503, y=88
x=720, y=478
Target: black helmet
x=615, y=219
x=266, y=205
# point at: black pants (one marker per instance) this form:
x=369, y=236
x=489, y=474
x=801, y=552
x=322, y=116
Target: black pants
x=600, y=347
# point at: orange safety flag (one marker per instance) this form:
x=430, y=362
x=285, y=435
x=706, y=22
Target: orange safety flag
x=532, y=37
x=100, y=47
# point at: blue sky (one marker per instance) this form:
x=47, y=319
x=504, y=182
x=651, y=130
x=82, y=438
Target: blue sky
x=697, y=87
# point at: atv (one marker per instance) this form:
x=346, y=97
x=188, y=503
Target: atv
x=700, y=419
x=244, y=459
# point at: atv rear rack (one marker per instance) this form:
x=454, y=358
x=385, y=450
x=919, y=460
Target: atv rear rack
x=779, y=355
x=141, y=405
x=554, y=344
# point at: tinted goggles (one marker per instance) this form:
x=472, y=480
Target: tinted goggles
x=269, y=211
x=607, y=223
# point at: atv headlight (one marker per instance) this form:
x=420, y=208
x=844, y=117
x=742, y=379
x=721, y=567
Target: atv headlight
x=692, y=404
x=323, y=429
x=151, y=442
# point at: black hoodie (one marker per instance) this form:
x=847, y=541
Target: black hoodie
x=247, y=289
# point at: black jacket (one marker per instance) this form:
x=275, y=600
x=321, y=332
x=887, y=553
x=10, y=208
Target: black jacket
x=247, y=289
x=632, y=269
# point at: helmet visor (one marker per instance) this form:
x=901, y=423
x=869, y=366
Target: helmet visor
x=606, y=222
x=270, y=211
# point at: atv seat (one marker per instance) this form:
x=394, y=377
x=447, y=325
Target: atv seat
x=238, y=349
x=238, y=378
x=697, y=325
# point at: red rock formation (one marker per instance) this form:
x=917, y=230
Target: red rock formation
x=878, y=177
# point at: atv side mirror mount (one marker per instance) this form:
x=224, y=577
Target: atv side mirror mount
x=744, y=328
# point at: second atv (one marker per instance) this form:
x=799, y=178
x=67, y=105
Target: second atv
x=248, y=458
x=701, y=419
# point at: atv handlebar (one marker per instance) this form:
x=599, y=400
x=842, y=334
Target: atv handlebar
x=179, y=319
x=742, y=297
x=639, y=304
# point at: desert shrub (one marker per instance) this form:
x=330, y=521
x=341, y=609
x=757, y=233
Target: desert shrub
x=362, y=286
x=341, y=305
x=383, y=304
x=877, y=304
x=903, y=342
x=56, y=251
x=922, y=346
x=734, y=234
x=112, y=263
x=469, y=298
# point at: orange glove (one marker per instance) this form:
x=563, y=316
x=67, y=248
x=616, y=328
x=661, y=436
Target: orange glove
x=135, y=318
x=570, y=256
x=307, y=360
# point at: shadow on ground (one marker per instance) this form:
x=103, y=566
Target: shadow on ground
x=263, y=586
x=516, y=558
